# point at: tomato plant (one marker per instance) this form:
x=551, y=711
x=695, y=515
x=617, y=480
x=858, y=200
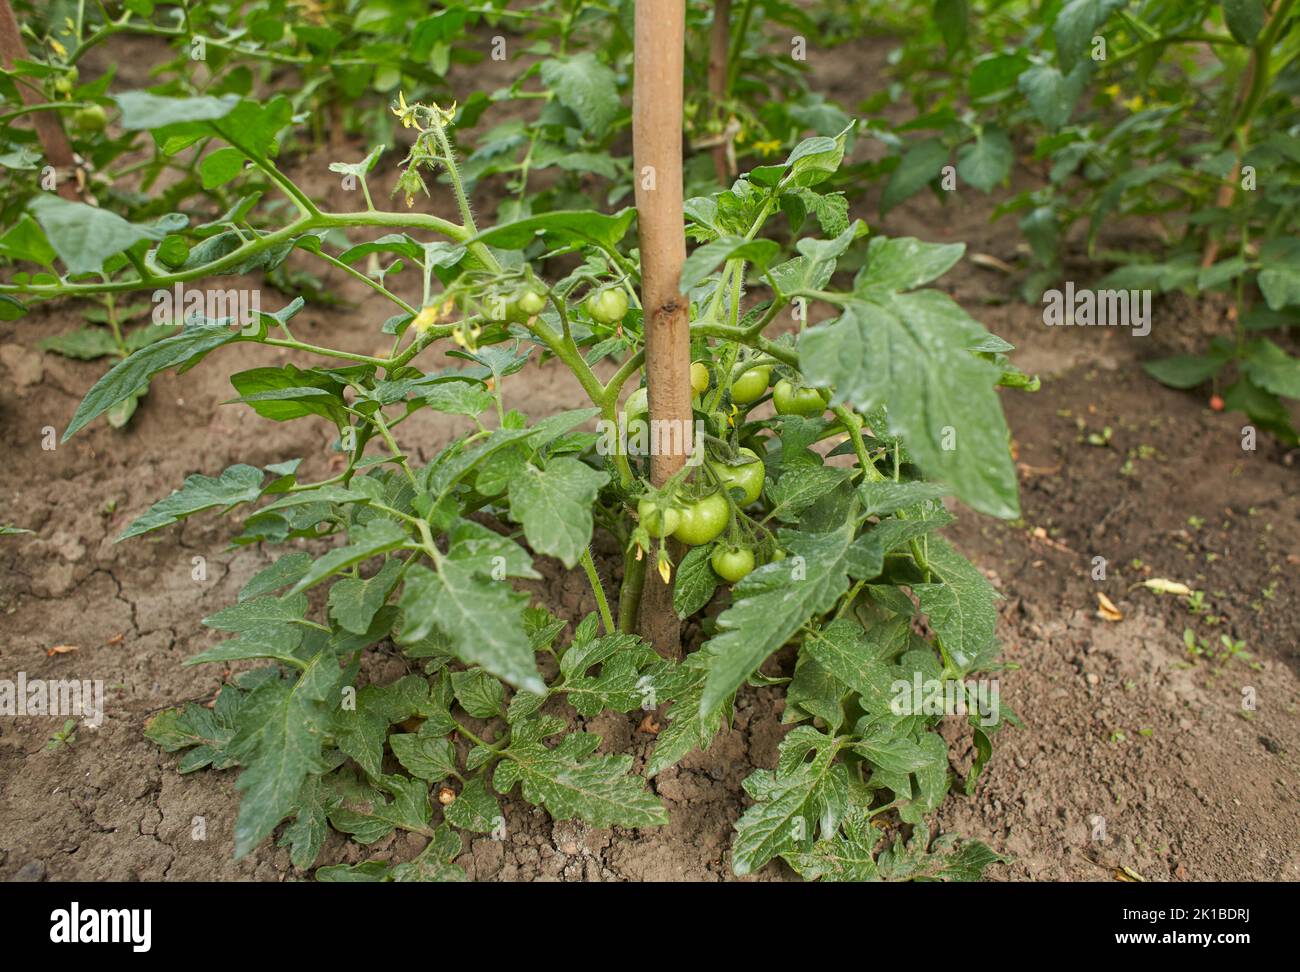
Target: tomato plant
x=1180, y=114
x=824, y=516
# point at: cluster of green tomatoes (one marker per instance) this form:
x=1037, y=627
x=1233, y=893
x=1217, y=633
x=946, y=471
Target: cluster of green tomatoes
x=701, y=513
x=707, y=504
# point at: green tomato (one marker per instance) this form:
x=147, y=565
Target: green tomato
x=64, y=83
x=173, y=251
x=703, y=521
x=638, y=403
x=748, y=477
x=699, y=377
x=732, y=563
x=658, y=522
x=92, y=118
x=530, y=302
x=808, y=402
x=607, y=307
x=749, y=387
x=635, y=415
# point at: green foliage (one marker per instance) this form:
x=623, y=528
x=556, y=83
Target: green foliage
x=1181, y=116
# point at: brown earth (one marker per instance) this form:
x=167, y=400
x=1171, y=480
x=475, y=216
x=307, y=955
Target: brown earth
x=1126, y=732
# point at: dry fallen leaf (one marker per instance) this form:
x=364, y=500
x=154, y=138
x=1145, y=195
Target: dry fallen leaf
x=1106, y=609
x=61, y=650
x=648, y=724
x=117, y=639
x=1162, y=586
x=1126, y=873
x=988, y=261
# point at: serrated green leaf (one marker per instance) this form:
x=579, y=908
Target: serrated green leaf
x=1077, y=24
x=361, y=729
x=986, y=162
x=1051, y=94
x=909, y=353
x=1279, y=278
x=84, y=344
x=860, y=659
x=376, y=537
x=1245, y=18
x=801, y=486
x=846, y=856
x=306, y=834
x=474, y=809
x=884, y=497
x=285, y=571
x=587, y=88
x=181, y=351
x=478, y=693
x=281, y=728
x=561, y=228
x=962, y=609
x=688, y=727
x=919, y=166
x=791, y=804
x=481, y=619
x=85, y=236
x=554, y=506
x=771, y=604
x=353, y=602
x=569, y=782
x=237, y=484
x=429, y=757
x=694, y=583
x=206, y=733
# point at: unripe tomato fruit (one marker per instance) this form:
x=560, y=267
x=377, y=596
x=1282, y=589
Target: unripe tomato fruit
x=65, y=82
x=699, y=377
x=748, y=477
x=803, y=401
x=749, y=387
x=732, y=563
x=92, y=118
x=607, y=307
x=173, y=251
x=703, y=520
x=658, y=522
x=636, y=414
x=530, y=302
x=638, y=403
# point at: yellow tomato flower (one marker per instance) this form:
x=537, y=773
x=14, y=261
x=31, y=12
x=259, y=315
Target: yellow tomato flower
x=767, y=148
x=427, y=317
x=404, y=111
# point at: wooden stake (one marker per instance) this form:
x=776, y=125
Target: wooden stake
x=657, y=158
x=54, y=143
x=719, y=46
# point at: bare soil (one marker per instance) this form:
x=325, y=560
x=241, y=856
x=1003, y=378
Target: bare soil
x=1135, y=753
